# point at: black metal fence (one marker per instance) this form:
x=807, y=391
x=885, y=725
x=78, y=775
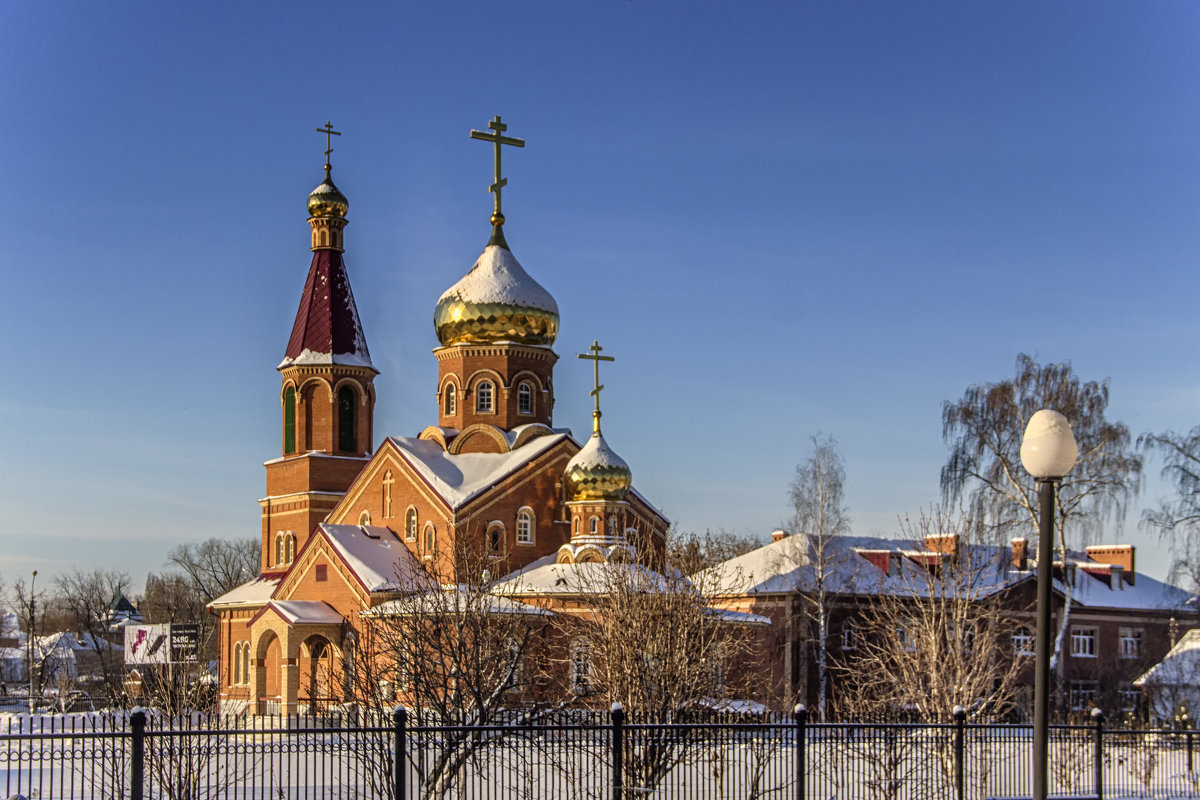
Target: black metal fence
x=576, y=755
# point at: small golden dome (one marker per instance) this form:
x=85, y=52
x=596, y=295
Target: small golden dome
x=597, y=473
x=327, y=201
x=496, y=301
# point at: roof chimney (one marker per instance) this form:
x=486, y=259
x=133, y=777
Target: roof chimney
x=1020, y=553
x=942, y=543
x=1122, y=555
x=779, y=533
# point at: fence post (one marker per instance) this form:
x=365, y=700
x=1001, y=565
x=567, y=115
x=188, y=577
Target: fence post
x=137, y=770
x=618, y=749
x=1098, y=757
x=400, y=720
x=801, y=739
x=960, y=752
x=1188, y=736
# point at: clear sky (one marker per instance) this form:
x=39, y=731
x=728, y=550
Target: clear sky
x=782, y=219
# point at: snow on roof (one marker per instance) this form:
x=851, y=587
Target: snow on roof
x=327, y=327
x=376, y=556
x=314, y=612
x=596, y=453
x=1179, y=667
x=1145, y=593
x=497, y=277
x=252, y=593
x=459, y=478
x=544, y=577
x=453, y=600
x=308, y=356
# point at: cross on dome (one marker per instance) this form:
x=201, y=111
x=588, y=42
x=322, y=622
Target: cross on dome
x=496, y=138
x=328, y=131
x=596, y=358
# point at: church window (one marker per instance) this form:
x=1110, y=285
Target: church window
x=430, y=539
x=524, y=399
x=289, y=539
x=347, y=417
x=484, y=400
x=280, y=549
x=595, y=526
x=237, y=663
x=577, y=526
x=524, y=526
x=410, y=524
x=245, y=662
x=496, y=539
x=612, y=526
x=581, y=666
x=289, y=420
x=451, y=402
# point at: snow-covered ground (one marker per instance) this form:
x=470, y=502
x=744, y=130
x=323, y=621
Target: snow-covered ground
x=89, y=755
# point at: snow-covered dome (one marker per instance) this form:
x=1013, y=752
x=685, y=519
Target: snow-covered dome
x=326, y=200
x=597, y=473
x=496, y=301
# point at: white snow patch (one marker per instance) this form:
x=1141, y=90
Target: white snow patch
x=498, y=277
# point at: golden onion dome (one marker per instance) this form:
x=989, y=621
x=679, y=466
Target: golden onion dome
x=496, y=301
x=327, y=201
x=597, y=473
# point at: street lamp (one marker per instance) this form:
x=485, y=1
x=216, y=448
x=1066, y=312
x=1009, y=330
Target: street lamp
x=32, y=632
x=1048, y=451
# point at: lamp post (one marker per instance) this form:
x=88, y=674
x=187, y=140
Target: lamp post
x=32, y=632
x=1048, y=451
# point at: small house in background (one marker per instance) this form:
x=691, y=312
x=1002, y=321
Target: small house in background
x=1173, y=684
x=121, y=612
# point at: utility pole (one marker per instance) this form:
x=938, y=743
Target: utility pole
x=32, y=632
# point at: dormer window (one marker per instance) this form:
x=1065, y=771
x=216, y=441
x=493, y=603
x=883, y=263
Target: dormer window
x=485, y=398
x=524, y=399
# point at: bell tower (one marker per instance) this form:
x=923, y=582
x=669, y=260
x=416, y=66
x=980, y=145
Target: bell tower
x=327, y=396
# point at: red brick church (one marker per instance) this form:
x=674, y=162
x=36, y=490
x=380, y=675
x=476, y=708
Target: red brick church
x=343, y=522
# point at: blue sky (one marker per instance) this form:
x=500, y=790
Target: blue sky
x=782, y=219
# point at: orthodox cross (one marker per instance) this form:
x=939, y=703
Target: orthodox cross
x=596, y=358
x=388, y=480
x=328, y=131
x=497, y=139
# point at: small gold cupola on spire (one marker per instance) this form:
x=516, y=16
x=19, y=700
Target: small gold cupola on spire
x=596, y=472
x=327, y=206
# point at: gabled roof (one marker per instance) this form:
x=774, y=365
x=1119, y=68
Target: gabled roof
x=303, y=612
x=327, y=329
x=252, y=593
x=375, y=555
x=458, y=479
x=1179, y=667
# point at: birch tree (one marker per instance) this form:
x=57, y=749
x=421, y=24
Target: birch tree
x=1177, y=518
x=984, y=430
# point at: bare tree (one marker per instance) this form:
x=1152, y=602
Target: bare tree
x=1178, y=518
x=456, y=654
x=818, y=516
x=87, y=596
x=984, y=430
x=937, y=636
x=650, y=642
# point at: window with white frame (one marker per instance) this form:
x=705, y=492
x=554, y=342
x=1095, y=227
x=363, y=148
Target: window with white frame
x=849, y=636
x=430, y=539
x=410, y=524
x=246, y=663
x=1084, y=642
x=485, y=402
x=1131, y=642
x=1023, y=642
x=495, y=536
x=595, y=526
x=451, y=401
x=1129, y=696
x=524, y=526
x=237, y=663
x=524, y=398
x=903, y=637
x=581, y=665
x=1083, y=694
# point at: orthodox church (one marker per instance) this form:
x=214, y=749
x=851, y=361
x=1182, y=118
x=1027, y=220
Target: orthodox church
x=347, y=526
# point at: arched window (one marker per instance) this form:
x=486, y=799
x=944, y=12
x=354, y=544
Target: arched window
x=495, y=539
x=430, y=539
x=237, y=663
x=524, y=526
x=289, y=420
x=347, y=401
x=595, y=526
x=581, y=666
x=246, y=662
x=577, y=526
x=280, y=549
x=451, y=402
x=524, y=399
x=290, y=540
x=484, y=398
x=612, y=526
x=410, y=524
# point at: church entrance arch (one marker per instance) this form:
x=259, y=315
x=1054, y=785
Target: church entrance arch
x=318, y=673
x=267, y=677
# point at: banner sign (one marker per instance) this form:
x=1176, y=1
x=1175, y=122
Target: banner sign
x=161, y=644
